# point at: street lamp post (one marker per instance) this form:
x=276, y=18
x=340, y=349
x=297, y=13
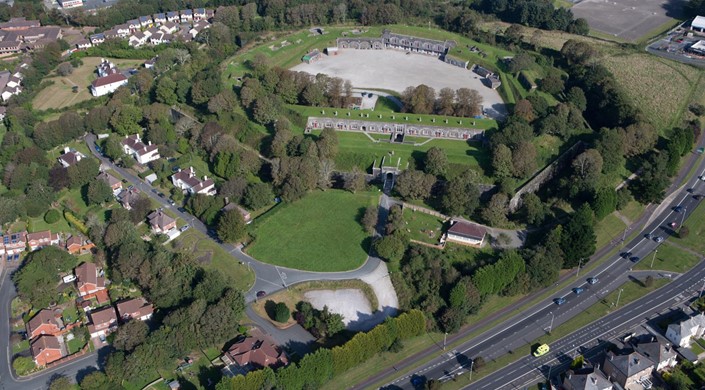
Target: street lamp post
x=577, y=273
x=619, y=296
x=653, y=258
x=685, y=210
x=445, y=338
x=471, y=363
x=551, y=325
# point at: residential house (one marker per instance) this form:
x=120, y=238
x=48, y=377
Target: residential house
x=199, y=14
x=186, y=16
x=106, y=68
x=78, y=245
x=134, y=146
x=114, y=183
x=149, y=64
x=210, y=14
x=160, y=37
x=246, y=216
x=47, y=349
x=252, y=354
x=198, y=28
x=123, y=30
x=659, y=351
x=44, y=323
x=70, y=157
x=13, y=244
x=126, y=197
x=684, y=332
x=83, y=44
x=187, y=181
x=172, y=16
x=587, y=379
x=159, y=18
x=133, y=25
x=113, y=33
x=145, y=21
x=88, y=281
x=9, y=92
x=97, y=39
x=169, y=27
x=466, y=233
x=629, y=369
x=14, y=82
x=70, y=3
x=41, y=239
x=103, y=322
x=137, y=308
x=108, y=84
x=160, y=222
x=137, y=39
x=17, y=24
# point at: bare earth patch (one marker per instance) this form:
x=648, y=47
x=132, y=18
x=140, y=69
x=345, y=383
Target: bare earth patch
x=395, y=70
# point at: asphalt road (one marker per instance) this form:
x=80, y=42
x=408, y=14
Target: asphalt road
x=525, y=327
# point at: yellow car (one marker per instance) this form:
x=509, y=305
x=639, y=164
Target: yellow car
x=541, y=350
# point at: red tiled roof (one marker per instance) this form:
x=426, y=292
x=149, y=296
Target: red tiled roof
x=43, y=317
x=257, y=353
x=88, y=273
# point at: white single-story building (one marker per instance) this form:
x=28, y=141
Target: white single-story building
x=108, y=84
x=466, y=233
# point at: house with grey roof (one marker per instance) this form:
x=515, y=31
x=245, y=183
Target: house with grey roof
x=682, y=333
x=586, y=379
x=629, y=370
x=657, y=350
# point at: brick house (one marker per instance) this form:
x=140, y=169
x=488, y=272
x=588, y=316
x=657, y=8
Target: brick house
x=47, y=349
x=103, y=322
x=252, y=354
x=87, y=280
x=136, y=308
x=41, y=239
x=161, y=222
x=78, y=245
x=126, y=197
x=44, y=323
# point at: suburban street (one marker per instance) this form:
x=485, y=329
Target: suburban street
x=530, y=324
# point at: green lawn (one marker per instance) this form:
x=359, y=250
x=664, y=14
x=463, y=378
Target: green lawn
x=696, y=225
x=75, y=345
x=669, y=258
x=70, y=314
x=320, y=232
x=423, y=227
x=212, y=256
x=19, y=347
x=608, y=229
x=632, y=210
x=38, y=224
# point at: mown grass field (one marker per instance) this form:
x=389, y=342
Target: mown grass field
x=320, y=232
x=608, y=229
x=669, y=258
x=696, y=225
x=60, y=94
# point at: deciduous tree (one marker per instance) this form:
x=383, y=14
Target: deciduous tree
x=231, y=226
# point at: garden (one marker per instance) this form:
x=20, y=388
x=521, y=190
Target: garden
x=321, y=232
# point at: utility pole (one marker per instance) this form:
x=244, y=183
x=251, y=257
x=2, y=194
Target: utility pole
x=551, y=325
x=445, y=338
x=653, y=258
x=685, y=210
x=619, y=296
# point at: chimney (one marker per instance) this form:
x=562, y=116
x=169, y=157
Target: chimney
x=66, y=149
x=205, y=177
x=149, y=143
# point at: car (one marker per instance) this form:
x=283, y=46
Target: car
x=658, y=239
x=102, y=339
x=634, y=259
x=701, y=178
x=578, y=290
x=416, y=381
x=678, y=209
x=184, y=228
x=161, y=195
x=689, y=190
x=130, y=188
x=592, y=280
x=541, y=350
x=171, y=202
x=559, y=301
x=124, y=181
x=626, y=255
x=181, y=209
x=155, y=191
x=673, y=225
x=175, y=168
x=261, y=294
x=648, y=236
x=628, y=337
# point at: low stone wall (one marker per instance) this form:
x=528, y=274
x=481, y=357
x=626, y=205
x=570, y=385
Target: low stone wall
x=410, y=129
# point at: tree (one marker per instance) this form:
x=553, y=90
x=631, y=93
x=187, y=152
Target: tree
x=578, y=52
x=524, y=110
x=258, y=195
x=460, y=195
x=445, y=102
x=419, y=100
x=502, y=165
x=98, y=192
x=578, y=239
x=125, y=120
x=604, y=203
x=281, y=312
x=610, y=146
x=96, y=380
x=496, y=210
x=413, y=184
x=327, y=144
x=468, y=102
x=64, y=69
x=113, y=149
x=587, y=168
x=231, y=226
x=391, y=247
x=651, y=184
x=52, y=216
x=354, y=181
x=576, y=97
x=639, y=138
x=534, y=210
x=130, y=335
x=552, y=83
x=436, y=161
x=266, y=109
x=369, y=219
x=524, y=160
x=36, y=279
x=649, y=281
x=521, y=61
x=139, y=208
x=23, y=365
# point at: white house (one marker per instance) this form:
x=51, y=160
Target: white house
x=466, y=233
x=83, y=44
x=145, y=21
x=198, y=28
x=122, y=30
x=133, y=24
x=658, y=351
x=172, y=16
x=137, y=39
x=108, y=84
x=159, y=18
x=682, y=333
x=97, y=39
x=70, y=157
x=698, y=24
x=169, y=27
x=70, y=3
x=187, y=181
x=199, y=14
x=134, y=146
x=186, y=16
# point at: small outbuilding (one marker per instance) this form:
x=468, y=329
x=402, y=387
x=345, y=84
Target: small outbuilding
x=466, y=233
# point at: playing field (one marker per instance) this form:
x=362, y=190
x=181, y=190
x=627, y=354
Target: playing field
x=320, y=232
x=60, y=94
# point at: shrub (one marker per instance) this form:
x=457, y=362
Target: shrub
x=697, y=109
x=683, y=232
x=23, y=365
x=52, y=216
x=281, y=312
x=75, y=222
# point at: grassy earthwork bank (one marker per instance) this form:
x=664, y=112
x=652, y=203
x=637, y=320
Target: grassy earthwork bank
x=320, y=232
x=60, y=94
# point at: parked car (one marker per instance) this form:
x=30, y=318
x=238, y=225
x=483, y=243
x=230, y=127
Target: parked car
x=673, y=225
x=559, y=301
x=130, y=188
x=578, y=290
x=154, y=190
x=184, y=228
x=161, y=195
x=261, y=294
x=171, y=202
x=628, y=337
x=626, y=255
x=124, y=181
x=181, y=209
x=592, y=280
x=634, y=259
